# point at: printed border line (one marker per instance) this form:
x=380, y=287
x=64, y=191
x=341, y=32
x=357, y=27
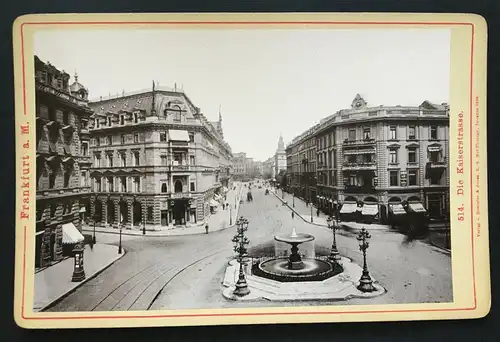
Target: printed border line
x=23, y=315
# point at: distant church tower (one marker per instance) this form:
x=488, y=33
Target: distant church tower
x=279, y=158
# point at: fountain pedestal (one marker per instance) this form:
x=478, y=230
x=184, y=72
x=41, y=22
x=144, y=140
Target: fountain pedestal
x=295, y=261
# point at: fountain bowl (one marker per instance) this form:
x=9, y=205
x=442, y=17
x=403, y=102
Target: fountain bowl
x=313, y=269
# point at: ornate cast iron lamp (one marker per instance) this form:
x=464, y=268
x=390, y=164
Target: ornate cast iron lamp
x=365, y=282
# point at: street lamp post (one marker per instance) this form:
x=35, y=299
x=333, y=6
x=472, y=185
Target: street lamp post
x=93, y=236
x=143, y=226
x=310, y=197
x=334, y=254
x=293, y=199
x=120, y=243
x=230, y=215
x=365, y=282
x=240, y=242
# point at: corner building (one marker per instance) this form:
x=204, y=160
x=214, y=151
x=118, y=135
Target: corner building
x=157, y=160
x=382, y=161
x=62, y=161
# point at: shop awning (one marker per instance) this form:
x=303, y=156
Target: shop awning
x=356, y=152
x=370, y=209
x=397, y=209
x=178, y=135
x=71, y=235
x=417, y=207
x=349, y=208
x=434, y=148
x=214, y=203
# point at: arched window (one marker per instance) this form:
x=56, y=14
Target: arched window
x=178, y=186
x=164, y=187
x=177, y=113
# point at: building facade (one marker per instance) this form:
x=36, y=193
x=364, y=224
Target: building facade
x=384, y=161
x=157, y=161
x=301, y=166
x=62, y=160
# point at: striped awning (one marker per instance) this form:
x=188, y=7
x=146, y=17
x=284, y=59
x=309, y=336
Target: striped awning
x=71, y=235
x=354, y=152
x=349, y=208
x=417, y=207
x=370, y=209
x=397, y=209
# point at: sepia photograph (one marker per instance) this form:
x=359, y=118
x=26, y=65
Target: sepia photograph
x=233, y=168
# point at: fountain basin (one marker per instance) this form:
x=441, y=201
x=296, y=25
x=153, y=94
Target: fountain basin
x=279, y=269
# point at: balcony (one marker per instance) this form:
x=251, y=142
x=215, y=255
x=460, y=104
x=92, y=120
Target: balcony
x=365, y=189
x=437, y=164
x=179, y=167
x=358, y=143
x=359, y=166
x=180, y=195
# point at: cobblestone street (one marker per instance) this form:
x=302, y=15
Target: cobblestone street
x=178, y=272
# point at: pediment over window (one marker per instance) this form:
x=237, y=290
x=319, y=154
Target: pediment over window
x=413, y=145
x=393, y=146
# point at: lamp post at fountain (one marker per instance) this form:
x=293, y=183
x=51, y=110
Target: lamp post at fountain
x=240, y=242
x=293, y=199
x=365, y=282
x=334, y=254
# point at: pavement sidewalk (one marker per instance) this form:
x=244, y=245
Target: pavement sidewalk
x=219, y=220
x=54, y=282
x=304, y=212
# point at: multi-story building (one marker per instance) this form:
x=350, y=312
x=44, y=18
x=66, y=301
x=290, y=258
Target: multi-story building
x=384, y=161
x=301, y=165
x=239, y=165
x=268, y=168
x=157, y=161
x=62, y=160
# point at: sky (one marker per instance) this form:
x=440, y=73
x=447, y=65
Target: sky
x=267, y=82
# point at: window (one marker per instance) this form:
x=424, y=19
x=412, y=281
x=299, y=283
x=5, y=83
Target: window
x=393, y=178
x=109, y=121
x=65, y=118
x=412, y=155
x=435, y=178
x=124, y=183
x=411, y=133
x=366, y=133
x=97, y=123
x=110, y=184
x=97, y=183
x=52, y=179
x=136, y=159
x=85, y=149
x=122, y=139
x=367, y=158
x=412, y=177
x=191, y=137
x=392, y=133
x=150, y=214
x=110, y=160
x=434, y=134
x=98, y=141
x=163, y=160
x=435, y=156
x=124, y=159
x=164, y=187
x=136, y=137
x=59, y=83
x=352, y=134
x=122, y=120
x=136, y=118
x=97, y=161
x=109, y=140
x=191, y=160
x=67, y=177
x=177, y=116
x=393, y=156
x=163, y=136
x=137, y=184
x=192, y=188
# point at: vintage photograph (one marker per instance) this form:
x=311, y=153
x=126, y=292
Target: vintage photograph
x=241, y=168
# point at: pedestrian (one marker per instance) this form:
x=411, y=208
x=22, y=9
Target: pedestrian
x=293, y=215
x=307, y=203
x=317, y=212
x=206, y=228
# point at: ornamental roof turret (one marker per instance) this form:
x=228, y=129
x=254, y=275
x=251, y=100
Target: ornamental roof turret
x=78, y=90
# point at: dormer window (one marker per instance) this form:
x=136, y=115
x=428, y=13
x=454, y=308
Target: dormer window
x=96, y=123
x=122, y=120
x=136, y=118
x=43, y=76
x=109, y=121
x=59, y=83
